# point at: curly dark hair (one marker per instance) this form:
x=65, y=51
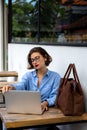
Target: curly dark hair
x=43, y=52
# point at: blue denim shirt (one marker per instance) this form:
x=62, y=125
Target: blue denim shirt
x=48, y=87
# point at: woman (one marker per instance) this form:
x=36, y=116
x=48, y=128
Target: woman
x=40, y=79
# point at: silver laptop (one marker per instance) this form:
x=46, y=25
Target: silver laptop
x=19, y=101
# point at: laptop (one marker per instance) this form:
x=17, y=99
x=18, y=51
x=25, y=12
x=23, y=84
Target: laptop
x=20, y=101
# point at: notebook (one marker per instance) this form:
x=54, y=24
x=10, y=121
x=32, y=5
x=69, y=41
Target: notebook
x=27, y=102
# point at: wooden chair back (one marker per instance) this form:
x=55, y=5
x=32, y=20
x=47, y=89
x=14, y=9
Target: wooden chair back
x=6, y=74
x=9, y=74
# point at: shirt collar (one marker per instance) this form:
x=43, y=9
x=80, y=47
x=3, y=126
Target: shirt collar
x=35, y=74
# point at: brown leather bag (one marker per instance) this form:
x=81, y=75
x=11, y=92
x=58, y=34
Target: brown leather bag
x=70, y=98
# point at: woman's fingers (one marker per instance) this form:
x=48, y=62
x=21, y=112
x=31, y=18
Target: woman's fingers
x=6, y=88
x=44, y=105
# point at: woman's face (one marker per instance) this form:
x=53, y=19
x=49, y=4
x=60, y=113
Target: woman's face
x=38, y=61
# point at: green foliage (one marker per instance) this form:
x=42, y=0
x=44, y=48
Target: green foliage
x=25, y=17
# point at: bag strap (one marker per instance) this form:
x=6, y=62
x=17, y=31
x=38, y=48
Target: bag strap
x=71, y=67
x=77, y=79
x=75, y=73
x=66, y=76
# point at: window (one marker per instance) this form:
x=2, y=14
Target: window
x=60, y=22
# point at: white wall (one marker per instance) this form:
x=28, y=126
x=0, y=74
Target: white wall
x=62, y=56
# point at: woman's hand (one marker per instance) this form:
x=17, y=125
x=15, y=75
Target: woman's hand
x=6, y=88
x=44, y=105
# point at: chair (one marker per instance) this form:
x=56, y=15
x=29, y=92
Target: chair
x=6, y=74
x=9, y=74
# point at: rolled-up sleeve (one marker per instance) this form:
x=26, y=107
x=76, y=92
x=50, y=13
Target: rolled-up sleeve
x=22, y=84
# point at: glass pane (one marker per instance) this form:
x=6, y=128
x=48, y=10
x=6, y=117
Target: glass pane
x=71, y=21
x=49, y=21
x=49, y=10
x=64, y=21
x=24, y=20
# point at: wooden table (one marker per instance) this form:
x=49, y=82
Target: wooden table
x=50, y=117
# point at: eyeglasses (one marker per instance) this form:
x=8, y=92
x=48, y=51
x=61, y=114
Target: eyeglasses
x=36, y=59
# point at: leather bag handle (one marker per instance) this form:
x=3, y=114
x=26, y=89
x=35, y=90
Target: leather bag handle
x=77, y=79
x=67, y=74
x=71, y=67
x=75, y=73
